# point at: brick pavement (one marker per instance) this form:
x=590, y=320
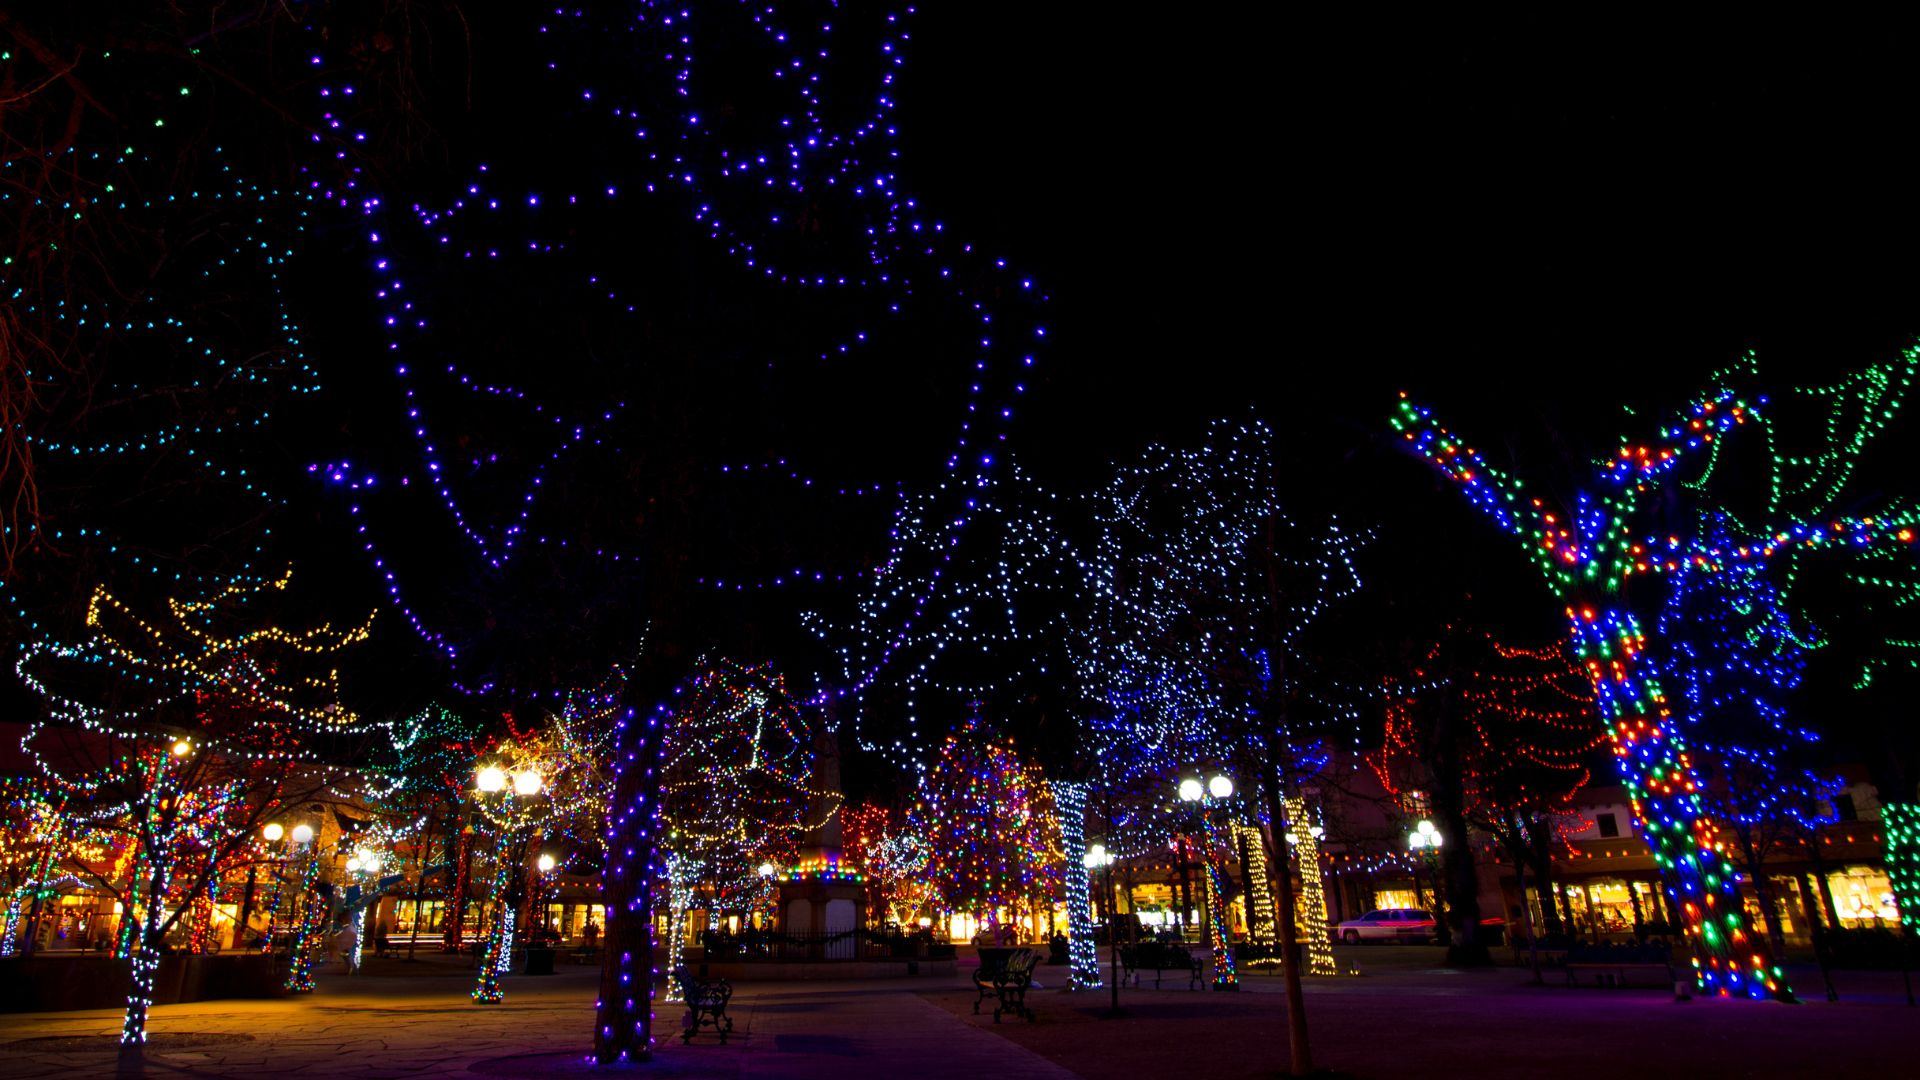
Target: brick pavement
x=418, y=1023
x=1406, y=1017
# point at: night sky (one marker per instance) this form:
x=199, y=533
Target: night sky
x=1527, y=221
x=1537, y=216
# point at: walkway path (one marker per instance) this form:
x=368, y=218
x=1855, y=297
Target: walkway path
x=414, y=1025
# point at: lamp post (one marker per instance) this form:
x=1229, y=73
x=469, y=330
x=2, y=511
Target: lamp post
x=271, y=833
x=1206, y=802
x=1098, y=856
x=1425, y=841
x=363, y=861
x=496, y=792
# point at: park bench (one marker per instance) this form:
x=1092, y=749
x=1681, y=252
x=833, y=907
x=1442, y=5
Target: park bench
x=1609, y=964
x=993, y=963
x=706, y=1001
x=1008, y=983
x=1158, y=957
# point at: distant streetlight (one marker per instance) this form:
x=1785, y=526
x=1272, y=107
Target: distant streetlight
x=1096, y=857
x=1220, y=787
x=1191, y=790
x=181, y=748
x=302, y=833
x=273, y=832
x=526, y=783
x=1424, y=837
x=490, y=779
x=766, y=869
x=545, y=863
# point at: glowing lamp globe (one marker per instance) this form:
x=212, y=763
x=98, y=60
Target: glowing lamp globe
x=302, y=833
x=353, y=864
x=1190, y=790
x=1220, y=787
x=490, y=779
x=766, y=869
x=545, y=863
x=526, y=783
x=181, y=748
x=273, y=831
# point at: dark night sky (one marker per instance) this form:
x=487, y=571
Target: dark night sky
x=1527, y=220
x=1543, y=214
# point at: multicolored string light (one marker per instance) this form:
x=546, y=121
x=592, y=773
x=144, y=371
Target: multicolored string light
x=1592, y=545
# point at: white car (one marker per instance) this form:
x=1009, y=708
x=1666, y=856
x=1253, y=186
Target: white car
x=1388, y=924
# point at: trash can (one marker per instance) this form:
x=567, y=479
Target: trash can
x=539, y=961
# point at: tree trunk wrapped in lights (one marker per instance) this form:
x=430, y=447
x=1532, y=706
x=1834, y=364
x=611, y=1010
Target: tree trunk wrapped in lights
x=679, y=893
x=623, y=1018
x=1262, y=929
x=1083, y=954
x=1213, y=879
x=498, y=955
x=1305, y=842
x=1592, y=546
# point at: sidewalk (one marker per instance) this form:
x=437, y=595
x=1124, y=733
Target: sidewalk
x=1405, y=1017
x=421, y=1024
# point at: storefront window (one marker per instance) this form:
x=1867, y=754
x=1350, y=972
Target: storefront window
x=1863, y=897
x=429, y=916
x=570, y=920
x=1612, y=911
x=1396, y=898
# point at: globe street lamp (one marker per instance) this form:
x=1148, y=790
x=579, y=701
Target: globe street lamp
x=1425, y=840
x=1204, y=800
x=271, y=832
x=496, y=790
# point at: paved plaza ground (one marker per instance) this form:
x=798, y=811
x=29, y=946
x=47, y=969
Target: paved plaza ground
x=1402, y=1017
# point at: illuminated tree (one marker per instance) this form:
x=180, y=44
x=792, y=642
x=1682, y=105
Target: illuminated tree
x=540, y=785
x=735, y=788
x=1614, y=552
x=992, y=836
x=184, y=733
x=1492, y=736
x=894, y=859
x=1198, y=651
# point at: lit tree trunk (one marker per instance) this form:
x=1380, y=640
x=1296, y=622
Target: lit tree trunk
x=493, y=962
x=1258, y=886
x=1653, y=761
x=1083, y=957
x=679, y=898
x=1312, y=903
x=145, y=956
x=1901, y=821
x=623, y=1022
x=1219, y=935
